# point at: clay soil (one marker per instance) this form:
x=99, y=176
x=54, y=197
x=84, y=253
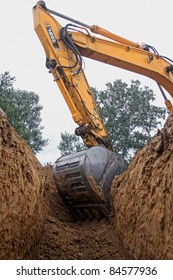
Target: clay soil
x=143, y=199
x=34, y=223
x=65, y=239
x=22, y=205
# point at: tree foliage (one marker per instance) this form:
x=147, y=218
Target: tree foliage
x=128, y=114
x=70, y=143
x=23, y=111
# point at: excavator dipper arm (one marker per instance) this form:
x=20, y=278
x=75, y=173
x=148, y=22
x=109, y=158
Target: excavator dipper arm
x=65, y=63
x=84, y=179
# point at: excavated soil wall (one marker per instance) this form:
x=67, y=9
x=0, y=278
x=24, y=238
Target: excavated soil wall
x=22, y=207
x=34, y=223
x=143, y=199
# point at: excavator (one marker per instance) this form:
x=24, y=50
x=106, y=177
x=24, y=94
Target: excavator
x=84, y=179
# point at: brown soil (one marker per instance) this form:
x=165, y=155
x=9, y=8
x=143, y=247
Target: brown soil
x=22, y=207
x=143, y=199
x=35, y=225
x=65, y=239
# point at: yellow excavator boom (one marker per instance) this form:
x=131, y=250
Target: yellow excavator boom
x=84, y=179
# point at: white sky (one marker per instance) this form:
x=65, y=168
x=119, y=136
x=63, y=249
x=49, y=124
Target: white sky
x=23, y=56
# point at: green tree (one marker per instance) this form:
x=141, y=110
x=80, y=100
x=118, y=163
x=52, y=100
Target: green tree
x=70, y=143
x=128, y=114
x=23, y=111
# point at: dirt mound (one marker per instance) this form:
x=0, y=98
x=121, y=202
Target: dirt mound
x=22, y=208
x=143, y=199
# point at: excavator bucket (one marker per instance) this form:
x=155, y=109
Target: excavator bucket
x=84, y=180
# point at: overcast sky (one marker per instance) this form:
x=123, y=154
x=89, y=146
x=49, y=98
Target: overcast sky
x=23, y=56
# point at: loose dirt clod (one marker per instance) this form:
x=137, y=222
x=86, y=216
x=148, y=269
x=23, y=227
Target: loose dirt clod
x=34, y=223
